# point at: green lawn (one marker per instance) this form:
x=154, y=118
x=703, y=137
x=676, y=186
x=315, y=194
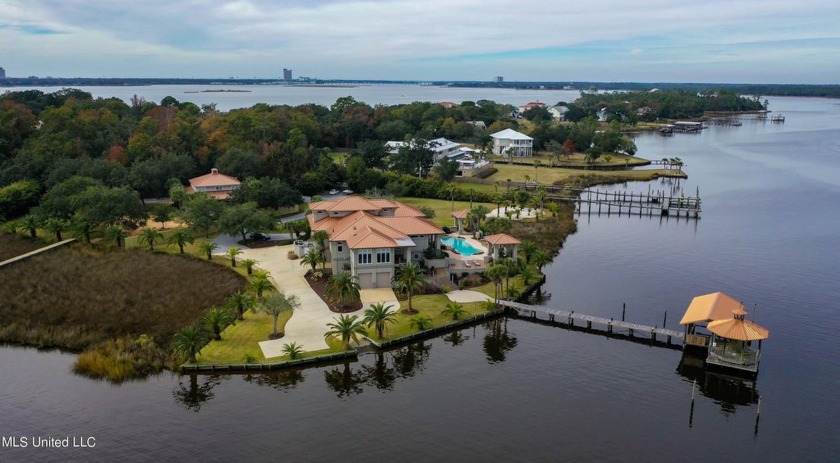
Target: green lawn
x=442, y=207
x=431, y=305
x=550, y=175
x=241, y=340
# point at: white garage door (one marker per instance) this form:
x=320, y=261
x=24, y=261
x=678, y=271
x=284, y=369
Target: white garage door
x=366, y=280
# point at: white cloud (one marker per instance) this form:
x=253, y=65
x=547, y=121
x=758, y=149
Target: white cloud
x=423, y=39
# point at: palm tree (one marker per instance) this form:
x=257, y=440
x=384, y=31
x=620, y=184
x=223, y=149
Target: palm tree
x=496, y=273
x=529, y=275
x=320, y=237
x=81, y=230
x=149, y=236
x=276, y=304
x=31, y=223
x=207, y=248
x=116, y=234
x=540, y=259
x=512, y=269
x=540, y=196
x=450, y=188
x=189, y=340
x=409, y=280
x=56, y=226
x=528, y=249
x=378, y=315
x=554, y=208
x=293, y=350
x=455, y=310
x=249, y=265
x=233, y=251
x=218, y=319
x=421, y=322
x=537, y=165
x=479, y=213
x=260, y=285
x=348, y=327
x=181, y=237
x=343, y=288
x=241, y=302
x=312, y=258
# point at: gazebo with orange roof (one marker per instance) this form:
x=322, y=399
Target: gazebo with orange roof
x=502, y=243
x=460, y=217
x=731, y=343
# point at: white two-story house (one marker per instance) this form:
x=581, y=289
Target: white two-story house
x=511, y=143
x=371, y=237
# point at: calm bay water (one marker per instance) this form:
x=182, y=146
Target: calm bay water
x=299, y=95
x=515, y=390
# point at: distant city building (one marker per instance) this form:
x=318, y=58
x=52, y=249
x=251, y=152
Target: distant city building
x=499, y=79
x=287, y=75
x=2, y=73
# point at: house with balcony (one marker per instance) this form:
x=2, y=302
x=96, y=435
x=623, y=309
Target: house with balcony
x=441, y=148
x=511, y=143
x=215, y=184
x=370, y=238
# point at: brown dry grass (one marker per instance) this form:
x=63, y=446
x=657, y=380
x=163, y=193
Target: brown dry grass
x=13, y=245
x=550, y=232
x=78, y=296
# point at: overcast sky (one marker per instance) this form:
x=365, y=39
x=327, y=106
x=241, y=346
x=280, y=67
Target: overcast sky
x=776, y=41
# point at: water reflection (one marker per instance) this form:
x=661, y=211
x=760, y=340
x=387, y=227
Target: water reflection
x=727, y=391
x=344, y=381
x=498, y=342
x=380, y=375
x=193, y=395
x=411, y=359
x=455, y=338
x=283, y=380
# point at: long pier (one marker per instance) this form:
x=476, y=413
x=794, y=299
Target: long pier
x=604, y=325
x=652, y=203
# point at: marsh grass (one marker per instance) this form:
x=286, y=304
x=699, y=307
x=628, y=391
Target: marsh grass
x=78, y=297
x=13, y=245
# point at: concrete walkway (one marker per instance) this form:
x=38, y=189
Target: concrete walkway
x=309, y=323
x=464, y=296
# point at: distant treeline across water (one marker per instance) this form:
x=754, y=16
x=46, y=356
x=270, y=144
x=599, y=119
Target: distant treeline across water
x=821, y=90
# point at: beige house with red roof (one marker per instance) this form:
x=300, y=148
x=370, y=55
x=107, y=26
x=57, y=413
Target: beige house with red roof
x=370, y=237
x=214, y=184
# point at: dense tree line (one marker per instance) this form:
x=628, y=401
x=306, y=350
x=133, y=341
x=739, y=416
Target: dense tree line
x=659, y=104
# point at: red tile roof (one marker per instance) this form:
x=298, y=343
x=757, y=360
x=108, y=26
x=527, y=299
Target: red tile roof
x=501, y=239
x=214, y=179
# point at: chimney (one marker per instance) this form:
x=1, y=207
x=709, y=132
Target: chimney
x=214, y=171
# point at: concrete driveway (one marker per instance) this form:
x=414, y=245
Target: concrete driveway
x=384, y=295
x=309, y=323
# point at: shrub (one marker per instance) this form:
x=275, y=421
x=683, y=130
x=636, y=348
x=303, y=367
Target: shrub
x=291, y=255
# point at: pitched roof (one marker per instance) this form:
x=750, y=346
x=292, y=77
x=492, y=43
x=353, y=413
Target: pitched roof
x=709, y=307
x=511, y=135
x=501, y=239
x=345, y=204
x=741, y=330
x=364, y=229
x=462, y=214
x=214, y=178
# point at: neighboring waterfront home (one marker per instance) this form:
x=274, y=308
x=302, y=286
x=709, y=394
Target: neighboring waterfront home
x=558, y=112
x=214, y=184
x=511, y=143
x=531, y=105
x=371, y=237
x=441, y=147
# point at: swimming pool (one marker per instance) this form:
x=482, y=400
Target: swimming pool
x=460, y=246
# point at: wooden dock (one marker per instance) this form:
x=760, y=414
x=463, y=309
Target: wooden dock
x=653, y=203
x=604, y=325
x=640, y=204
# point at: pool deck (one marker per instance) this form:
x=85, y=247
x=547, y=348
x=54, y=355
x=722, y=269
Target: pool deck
x=461, y=263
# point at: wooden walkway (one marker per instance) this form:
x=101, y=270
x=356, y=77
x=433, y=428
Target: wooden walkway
x=609, y=325
x=35, y=252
